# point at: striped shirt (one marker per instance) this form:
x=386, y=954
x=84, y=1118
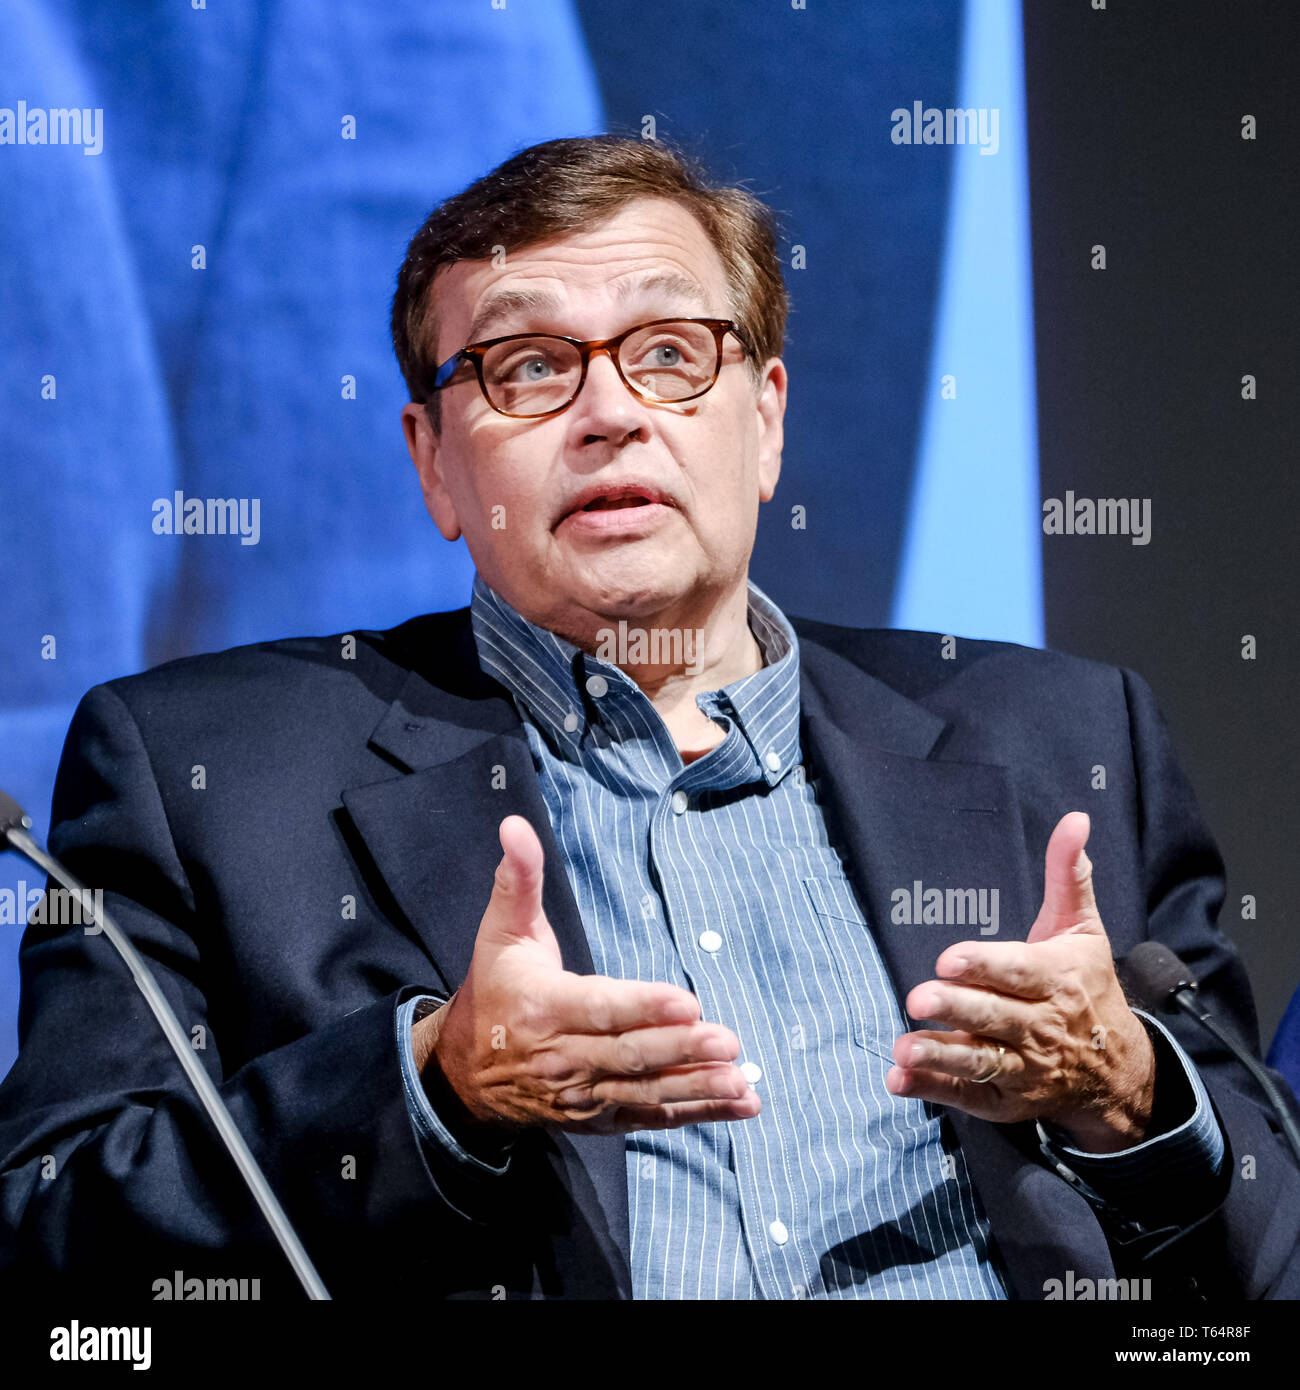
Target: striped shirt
x=719, y=876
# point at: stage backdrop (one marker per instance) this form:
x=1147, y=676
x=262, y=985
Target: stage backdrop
x=195, y=301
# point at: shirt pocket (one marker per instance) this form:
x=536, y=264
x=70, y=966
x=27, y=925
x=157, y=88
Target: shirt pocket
x=859, y=971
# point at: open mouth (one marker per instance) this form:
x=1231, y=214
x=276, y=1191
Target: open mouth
x=616, y=507
x=605, y=504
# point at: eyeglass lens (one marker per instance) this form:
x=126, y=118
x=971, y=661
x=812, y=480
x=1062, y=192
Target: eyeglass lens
x=665, y=362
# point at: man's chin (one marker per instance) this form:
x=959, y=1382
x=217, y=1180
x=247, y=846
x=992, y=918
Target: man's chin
x=630, y=590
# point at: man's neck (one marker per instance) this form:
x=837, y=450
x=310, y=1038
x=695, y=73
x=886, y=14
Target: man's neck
x=693, y=732
x=724, y=650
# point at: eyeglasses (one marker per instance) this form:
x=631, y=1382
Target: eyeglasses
x=528, y=375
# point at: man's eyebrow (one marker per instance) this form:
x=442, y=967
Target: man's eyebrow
x=507, y=304
x=672, y=283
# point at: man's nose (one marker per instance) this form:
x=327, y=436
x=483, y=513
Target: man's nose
x=605, y=396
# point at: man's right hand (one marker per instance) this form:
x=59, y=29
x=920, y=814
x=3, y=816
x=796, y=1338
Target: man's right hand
x=526, y=1042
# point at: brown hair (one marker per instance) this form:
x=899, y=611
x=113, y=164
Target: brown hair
x=560, y=186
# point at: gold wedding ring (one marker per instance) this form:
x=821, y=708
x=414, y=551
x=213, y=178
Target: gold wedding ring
x=997, y=1067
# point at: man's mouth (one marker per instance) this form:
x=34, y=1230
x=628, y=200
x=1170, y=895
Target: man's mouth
x=604, y=504
x=630, y=495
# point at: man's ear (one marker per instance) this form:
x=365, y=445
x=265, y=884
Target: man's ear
x=770, y=405
x=426, y=455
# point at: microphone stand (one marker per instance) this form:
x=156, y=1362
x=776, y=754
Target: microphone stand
x=1187, y=1000
x=15, y=825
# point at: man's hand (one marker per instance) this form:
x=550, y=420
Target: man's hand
x=1075, y=1053
x=525, y=1042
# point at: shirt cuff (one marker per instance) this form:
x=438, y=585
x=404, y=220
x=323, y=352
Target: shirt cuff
x=439, y=1142
x=1173, y=1175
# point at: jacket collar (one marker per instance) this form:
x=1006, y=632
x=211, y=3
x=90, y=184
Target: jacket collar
x=565, y=690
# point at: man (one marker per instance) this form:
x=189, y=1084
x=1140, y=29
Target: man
x=661, y=1051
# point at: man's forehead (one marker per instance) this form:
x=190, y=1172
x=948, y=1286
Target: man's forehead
x=519, y=303
x=664, y=251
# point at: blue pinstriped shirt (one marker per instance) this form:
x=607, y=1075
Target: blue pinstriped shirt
x=719, y=876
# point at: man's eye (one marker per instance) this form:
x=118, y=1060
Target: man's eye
x=524, y=370
x=663, y=355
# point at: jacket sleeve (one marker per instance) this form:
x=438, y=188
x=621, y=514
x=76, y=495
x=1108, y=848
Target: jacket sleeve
x=109, y=1166
x=1247, y=1244
x=1175, y=1173
x=467, y=1166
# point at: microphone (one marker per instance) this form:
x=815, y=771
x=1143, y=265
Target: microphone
x=14, y=825
x=1166, y=983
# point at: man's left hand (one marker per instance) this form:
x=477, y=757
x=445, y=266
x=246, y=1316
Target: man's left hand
x=1074, y=1053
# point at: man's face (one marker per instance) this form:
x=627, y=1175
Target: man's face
x=511, y=485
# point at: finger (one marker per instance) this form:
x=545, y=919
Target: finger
x=713, y=1081
x=939, y=1089
x=959, y=1055
x=515, y=907
x=1069, y=902
x=643, y=1050
x=973, y=1010
x=691, y=1112
x=600, y=1004
x=1006, y=967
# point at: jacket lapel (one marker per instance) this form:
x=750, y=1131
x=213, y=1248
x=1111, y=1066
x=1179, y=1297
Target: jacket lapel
x=904, y=815
x=432, y=834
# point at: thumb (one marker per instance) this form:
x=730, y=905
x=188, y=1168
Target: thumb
x=1068, y=898
x=514, y=911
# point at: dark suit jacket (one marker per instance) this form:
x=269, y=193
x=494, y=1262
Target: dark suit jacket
x=300, y=840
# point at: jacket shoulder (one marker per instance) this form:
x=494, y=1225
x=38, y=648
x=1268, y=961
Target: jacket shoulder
x=302, y=676
x=920, y=665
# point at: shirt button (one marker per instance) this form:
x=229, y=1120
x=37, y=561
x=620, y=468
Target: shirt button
x=773, y=761
x=597, y=686
x=570, y=721
x=778, y=1232
x=710, y=941
x=680, y=802
x=751, y=1072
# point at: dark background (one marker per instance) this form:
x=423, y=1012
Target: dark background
x=1135, y=142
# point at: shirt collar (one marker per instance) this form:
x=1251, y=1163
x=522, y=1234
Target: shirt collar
x=559, y=684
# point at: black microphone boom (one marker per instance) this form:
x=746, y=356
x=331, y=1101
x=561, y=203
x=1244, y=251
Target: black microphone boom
x=1165, y=982
x=14, y=825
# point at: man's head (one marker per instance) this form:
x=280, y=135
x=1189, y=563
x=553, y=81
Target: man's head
x=585, y=238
